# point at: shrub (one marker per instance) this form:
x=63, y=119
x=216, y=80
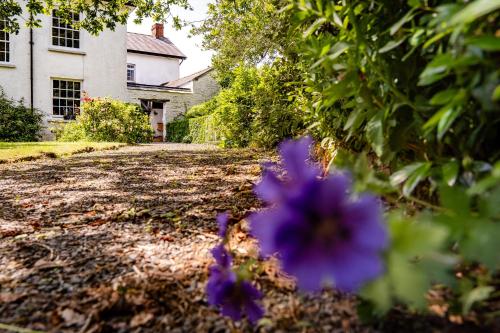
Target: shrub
x=194, y=130
x=254, y=110
x=18, y=122
x=177, y=130
x=109, y=120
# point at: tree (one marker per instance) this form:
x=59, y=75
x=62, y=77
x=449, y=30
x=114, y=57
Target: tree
x=246, y=32
x=97, y=14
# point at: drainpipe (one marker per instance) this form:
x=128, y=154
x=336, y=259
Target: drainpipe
x=31, y=66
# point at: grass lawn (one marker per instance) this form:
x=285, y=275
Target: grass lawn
x=14, y=151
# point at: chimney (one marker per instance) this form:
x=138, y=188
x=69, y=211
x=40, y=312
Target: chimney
x=157, y=30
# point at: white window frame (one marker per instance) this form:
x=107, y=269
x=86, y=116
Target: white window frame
x=132, y=69
x=64, y=35
x=5, y=41
x=66, y=99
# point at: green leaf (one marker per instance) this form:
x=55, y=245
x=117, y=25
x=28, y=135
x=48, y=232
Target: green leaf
x=410, y=284
x=415, y=238
x=490, y=200
x=475, y=10
x=337, y=50
x=378, y=292
x=455, y=199
x=396, y=26
x=436, y=118
x=375, y=132
x=392, y=45
x=482, y=245
x=355, y=119
x=314, y=26
x=443, y=97
x=487, y=43
x=447, y=120
x=475, y=295
x=436, y=69
x=412, y=174
x=496, y=94
x=401, y=175
x=450, y=172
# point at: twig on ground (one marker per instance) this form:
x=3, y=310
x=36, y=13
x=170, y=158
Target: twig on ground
x=16, y=329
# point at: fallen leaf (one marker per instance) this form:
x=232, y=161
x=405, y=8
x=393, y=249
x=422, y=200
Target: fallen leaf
x=141, y=319
x=72, y=317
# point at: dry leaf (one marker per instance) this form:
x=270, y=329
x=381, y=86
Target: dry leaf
x=141, y=319
x=72, y=317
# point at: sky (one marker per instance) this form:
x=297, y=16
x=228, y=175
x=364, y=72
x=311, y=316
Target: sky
x=197, y=59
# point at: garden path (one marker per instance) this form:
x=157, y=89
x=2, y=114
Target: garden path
x=119, y=241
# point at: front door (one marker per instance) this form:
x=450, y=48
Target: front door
x=155, y=112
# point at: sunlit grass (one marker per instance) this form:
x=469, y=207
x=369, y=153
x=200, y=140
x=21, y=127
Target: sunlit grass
x=13, y=151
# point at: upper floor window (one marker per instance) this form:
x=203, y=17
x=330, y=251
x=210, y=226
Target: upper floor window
x=64, y=34
x=66, y=96
x=130, y=73
x=4, y=43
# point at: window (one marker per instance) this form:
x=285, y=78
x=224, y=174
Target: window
x=4, y=43
x=66, y=98
x=130, y=73
x=64, y=34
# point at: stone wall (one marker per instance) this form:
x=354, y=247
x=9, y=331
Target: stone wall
x=179, y=102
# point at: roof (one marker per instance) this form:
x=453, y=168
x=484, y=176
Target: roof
x=147, y=44
x=186, y=79
x=154, y=87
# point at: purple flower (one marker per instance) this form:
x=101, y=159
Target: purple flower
x=320, y=232
x=225, y=290
x=223, y=220
x=295, y=156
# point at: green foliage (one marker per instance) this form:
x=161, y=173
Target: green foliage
x=177, y=130
x=18, y=122
x=254, y=109
x=202, y=129
x=245, y=32
x=417, y=85
x=405, y=95
x=108, y=120
x=97, y=14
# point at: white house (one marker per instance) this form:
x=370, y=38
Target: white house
x=51, y=67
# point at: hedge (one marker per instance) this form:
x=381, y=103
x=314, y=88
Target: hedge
x=195, y=130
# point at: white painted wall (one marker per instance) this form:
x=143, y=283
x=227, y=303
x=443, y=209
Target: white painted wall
x=153, y=70
x=100, y=64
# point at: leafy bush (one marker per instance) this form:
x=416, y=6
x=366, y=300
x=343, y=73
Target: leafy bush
x=109, y=120
x=414, y=95
x=405, y=95
x=177, y=130
x=194, y=130
x=18, y=122
x=254, y=110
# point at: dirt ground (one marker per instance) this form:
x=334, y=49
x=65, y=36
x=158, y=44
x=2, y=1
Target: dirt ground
x=119, y=241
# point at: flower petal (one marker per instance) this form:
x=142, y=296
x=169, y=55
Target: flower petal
x=222, y=257
x=364, y=219
x=263, y=226
x=295, y=154
x=222, y=221
x=270, y=189
x=352, y=268
x=332, y=193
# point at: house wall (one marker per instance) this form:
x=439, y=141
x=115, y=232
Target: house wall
x=204, y=88
x=153, y=70
x=178, y=101
x=100, y=64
